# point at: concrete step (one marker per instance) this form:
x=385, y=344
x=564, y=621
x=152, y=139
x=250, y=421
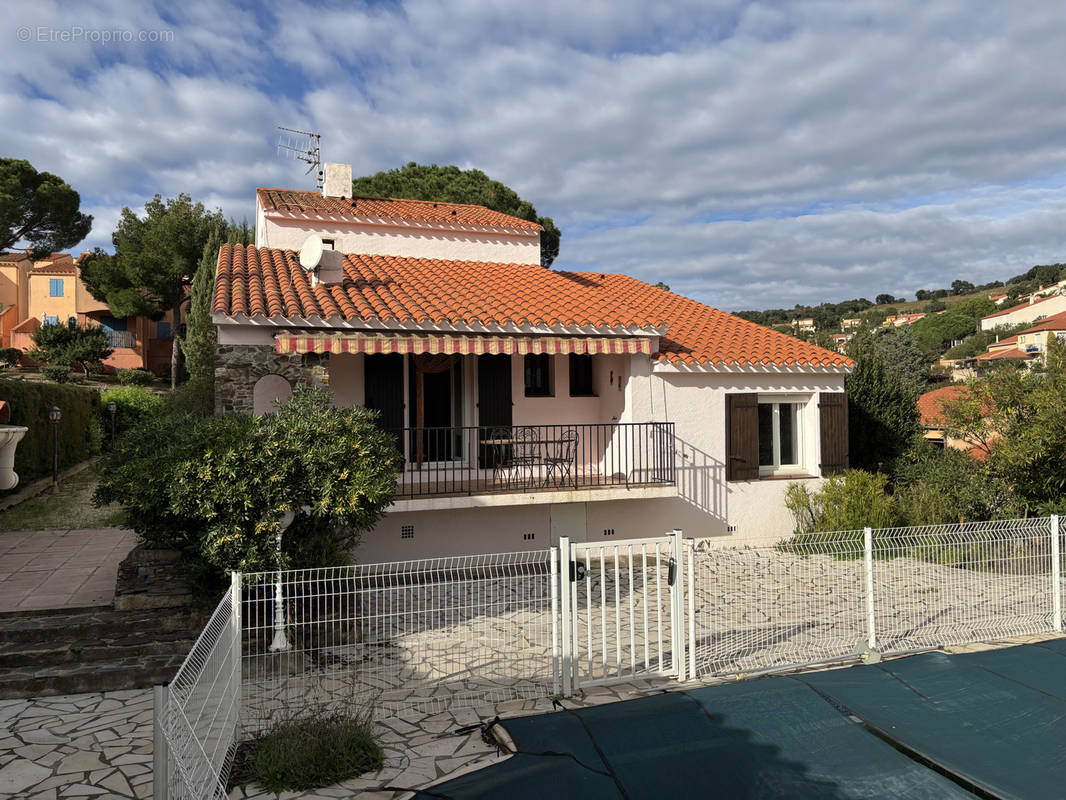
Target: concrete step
x=95, y=676
x=93, y=623
x=78, y=650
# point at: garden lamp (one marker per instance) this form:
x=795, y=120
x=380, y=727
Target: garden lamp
x=54, y=415
x=112, y=409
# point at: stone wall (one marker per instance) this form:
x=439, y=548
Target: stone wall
x=151, y=579
x=239, y=366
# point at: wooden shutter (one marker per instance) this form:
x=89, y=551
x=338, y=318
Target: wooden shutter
x=833, y=419
x=742, y=437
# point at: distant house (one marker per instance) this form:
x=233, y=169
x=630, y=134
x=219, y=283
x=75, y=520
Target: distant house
x=1028, y=345
x=1033, y=309
x=899, y=320
x=840, y=341
x=931, y=414
x=51, y=292
x=852, y=322
x=805, y=325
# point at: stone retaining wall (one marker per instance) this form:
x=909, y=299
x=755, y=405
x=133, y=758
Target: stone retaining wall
x=151, y=579
x=239, y=366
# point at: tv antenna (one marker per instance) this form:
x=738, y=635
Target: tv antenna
x=302, y=146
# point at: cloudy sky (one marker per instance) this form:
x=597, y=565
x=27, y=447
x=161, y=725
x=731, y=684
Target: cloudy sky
x=751, y=155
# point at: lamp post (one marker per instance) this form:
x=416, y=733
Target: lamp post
x=54, y=415
x=112, y=408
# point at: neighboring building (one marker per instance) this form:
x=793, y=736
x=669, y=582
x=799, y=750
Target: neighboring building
x=899, y=320
x=840, y=341
x=51, y=292
x=848, y=324
x=1034, y=309
x=532, y=402
x=998, y=299
x=805, y=325
x=1028, y=345
x=931, y=414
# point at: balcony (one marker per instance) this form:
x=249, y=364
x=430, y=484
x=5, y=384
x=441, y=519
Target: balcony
x=120, y=339
x=539, y=463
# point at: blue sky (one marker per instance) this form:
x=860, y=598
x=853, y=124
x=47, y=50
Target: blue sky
x=751, y=155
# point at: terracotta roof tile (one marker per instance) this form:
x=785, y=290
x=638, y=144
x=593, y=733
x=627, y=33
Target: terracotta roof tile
x=271, y=283
x=930, y=404
x=1056, y=322
x=297, y=202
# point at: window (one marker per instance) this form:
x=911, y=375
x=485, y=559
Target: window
x=329, y=244
x=779, y=437
x=162, y=330
x=55, y=287
x=538, y=375
x=769, y=435
x=581, y=376
x=50, y=320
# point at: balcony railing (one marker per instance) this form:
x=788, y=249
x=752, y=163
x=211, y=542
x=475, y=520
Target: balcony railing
x=523, y=458
x=117, y=339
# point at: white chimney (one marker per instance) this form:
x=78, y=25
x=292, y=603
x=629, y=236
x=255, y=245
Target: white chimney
x=337, y=180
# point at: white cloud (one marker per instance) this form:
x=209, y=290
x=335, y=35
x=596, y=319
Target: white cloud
x=755, y=154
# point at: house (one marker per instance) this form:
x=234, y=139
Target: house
x=840, y=341
x=899, y=320
x=51, y=292
x=805, y=325
x=527, y=402
x=1031, y=310
x=1028, y=345
x=934, y=425
x=852, y=322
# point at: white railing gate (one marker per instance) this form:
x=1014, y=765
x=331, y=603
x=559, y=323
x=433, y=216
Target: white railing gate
x=623, y=610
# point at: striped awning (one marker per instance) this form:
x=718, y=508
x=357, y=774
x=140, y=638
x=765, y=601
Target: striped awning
x=445, y=344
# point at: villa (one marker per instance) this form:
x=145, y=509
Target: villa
x=527, y=402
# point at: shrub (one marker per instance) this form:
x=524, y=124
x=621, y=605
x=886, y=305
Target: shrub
x=135, y=377
x=935, y=487
x=63, y=345
x=9, y=356
x=134, y=404
x=850, y=501
x=312, y=752
x=79, y=427
x=57, y=372
x=219, y=486
x=195, y=397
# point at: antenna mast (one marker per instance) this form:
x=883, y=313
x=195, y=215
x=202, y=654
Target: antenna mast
x=302, y=146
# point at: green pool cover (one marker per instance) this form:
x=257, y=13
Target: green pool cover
x=994, y=722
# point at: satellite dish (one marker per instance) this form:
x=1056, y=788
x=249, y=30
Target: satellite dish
x=311, y=252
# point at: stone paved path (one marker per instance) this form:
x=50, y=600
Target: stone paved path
x=60, y=568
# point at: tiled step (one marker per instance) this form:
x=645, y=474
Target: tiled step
x=94, y=676
x=92, y=650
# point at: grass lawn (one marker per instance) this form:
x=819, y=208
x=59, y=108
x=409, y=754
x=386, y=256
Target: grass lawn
x=70, y=507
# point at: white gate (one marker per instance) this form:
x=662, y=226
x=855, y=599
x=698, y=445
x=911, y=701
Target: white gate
x=623, y=610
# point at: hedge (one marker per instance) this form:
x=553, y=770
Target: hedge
x=79, y=428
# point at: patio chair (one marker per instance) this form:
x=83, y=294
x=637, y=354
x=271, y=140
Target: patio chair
x=517, y=455
x=562, y=454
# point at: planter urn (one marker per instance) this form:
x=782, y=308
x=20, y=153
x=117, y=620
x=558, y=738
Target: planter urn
x=10, y=436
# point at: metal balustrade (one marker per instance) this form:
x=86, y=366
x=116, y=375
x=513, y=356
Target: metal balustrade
x=508, y=458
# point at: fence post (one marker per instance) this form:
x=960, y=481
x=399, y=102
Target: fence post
x=677, y=604
x=1056, y=569
x=236, y=668
x=160, y=747
x=868, y=558
x=690, y=587
x=553, y=557
x=566, y=658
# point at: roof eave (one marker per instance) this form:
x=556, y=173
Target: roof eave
x=664, y=366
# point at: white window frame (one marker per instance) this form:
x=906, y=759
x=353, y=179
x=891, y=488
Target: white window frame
x=777, y=468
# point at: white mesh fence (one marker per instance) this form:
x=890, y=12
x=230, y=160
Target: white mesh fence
x=828, y=596
x=432, y=634
x=199, y=717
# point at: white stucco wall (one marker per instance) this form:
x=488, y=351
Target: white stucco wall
x=1053, y=305
x=706, y=505
x=381, y=239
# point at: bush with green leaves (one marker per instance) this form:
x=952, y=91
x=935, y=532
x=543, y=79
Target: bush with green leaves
x=66, y=345
x=936, y=487
x=57, y=373
x=79, y=426
x=133, y=404
x=219, y=486
x=135, y=377
x=850, y=501
x=9, y=356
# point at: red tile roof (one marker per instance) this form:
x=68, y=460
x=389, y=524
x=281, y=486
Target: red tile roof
x=265, y=282
x=1009, y=355
x=930, y=404
x=289, y=201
